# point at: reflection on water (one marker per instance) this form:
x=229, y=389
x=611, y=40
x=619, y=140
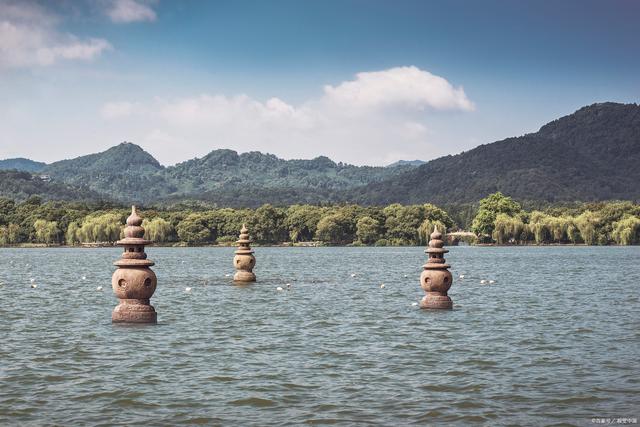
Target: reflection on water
x=555, y=340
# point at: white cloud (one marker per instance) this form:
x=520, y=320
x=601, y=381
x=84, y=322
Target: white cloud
x=400, y=87
x=377, y=118
x=127, y=11
x=29, y=37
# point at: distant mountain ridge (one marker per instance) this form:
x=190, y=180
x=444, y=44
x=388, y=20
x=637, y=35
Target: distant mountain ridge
x=128, y=173
x=20, y=185
x=22, y=164
x=592, y=154
x=406, y=162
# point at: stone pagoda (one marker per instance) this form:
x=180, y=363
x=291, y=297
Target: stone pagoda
x=134, y=282
x=436, y=279
x=244, y=261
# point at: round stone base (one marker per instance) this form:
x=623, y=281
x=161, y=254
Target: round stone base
x=244, y=276
x=127, y=312
x=437, y=302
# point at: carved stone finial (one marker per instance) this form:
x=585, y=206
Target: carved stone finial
x=244, y=261
x=436, y=279
x=134, y=282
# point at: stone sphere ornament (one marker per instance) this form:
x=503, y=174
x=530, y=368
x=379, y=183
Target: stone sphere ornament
x=436, y=279
x=244, y=261
x=134, y=282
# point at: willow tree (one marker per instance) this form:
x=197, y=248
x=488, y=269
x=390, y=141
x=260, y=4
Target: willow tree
x=9, y=234
x=626, y=231
x=71, y=236
x=539, y=226
x=588, y=223
x=558, y=228
x=427, y=227
x=507, y=228
x=102, y=228
x=573, y=233
x=46, y=231
x=158, y=230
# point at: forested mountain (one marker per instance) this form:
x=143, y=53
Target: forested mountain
x=226, y=170
x=18, y=185
x=406, y=162
x=125, y=172
x=128, y=173
x=22, y=164
x=592, y=154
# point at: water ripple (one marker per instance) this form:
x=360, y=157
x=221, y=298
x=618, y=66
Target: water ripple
x=551, y=345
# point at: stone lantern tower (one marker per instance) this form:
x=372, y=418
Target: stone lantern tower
x=244, y=261
x=436, y=279
x=134, y=282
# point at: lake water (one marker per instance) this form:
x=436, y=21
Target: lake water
x=556, y=340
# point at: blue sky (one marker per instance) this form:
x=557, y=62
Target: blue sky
x=365, y=82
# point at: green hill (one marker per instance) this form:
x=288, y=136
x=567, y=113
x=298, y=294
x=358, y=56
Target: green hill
x=128, y=173
x=22, y=164
x=18, y=185
x=592, y=154
x=125, y=172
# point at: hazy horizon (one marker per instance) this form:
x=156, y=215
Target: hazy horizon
x=244, y=152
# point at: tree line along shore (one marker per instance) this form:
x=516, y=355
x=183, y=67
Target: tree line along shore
x=496, y=219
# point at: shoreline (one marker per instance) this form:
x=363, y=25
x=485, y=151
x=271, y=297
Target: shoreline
x=288, y=245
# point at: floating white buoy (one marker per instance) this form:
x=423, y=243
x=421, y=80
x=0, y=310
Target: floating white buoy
x=32, y=280
x=482, y=282
x=99, y=288
x=406, y=275
x=382, y=286
x=84, y=277
x=413, y=304
x=491, y=282
x=187, y=289
x=227, y=275
x=34, y=286
x=279, y=288
x=462, y=276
